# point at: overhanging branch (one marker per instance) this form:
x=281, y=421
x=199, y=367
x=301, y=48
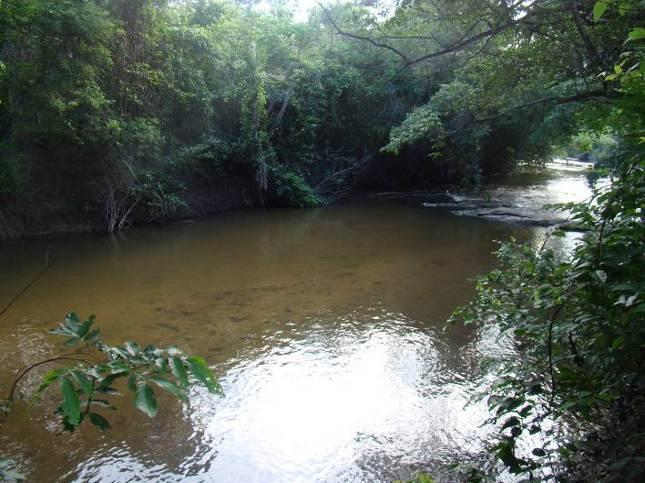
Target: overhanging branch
x=454, y=47
x=361, y=37
x=581, y=96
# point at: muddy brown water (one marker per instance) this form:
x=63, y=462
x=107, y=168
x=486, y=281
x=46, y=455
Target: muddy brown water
x=325, y=328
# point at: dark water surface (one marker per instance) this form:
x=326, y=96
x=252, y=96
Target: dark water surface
x=325, y=327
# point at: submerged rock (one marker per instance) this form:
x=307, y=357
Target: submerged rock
x=515, y=204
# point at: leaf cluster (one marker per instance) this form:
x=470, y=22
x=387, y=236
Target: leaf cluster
x=577, y=322
x=89, y=385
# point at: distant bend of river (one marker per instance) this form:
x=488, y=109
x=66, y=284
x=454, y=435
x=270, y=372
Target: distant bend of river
x=325, y=327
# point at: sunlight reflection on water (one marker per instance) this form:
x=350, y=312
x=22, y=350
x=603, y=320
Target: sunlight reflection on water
x=324, y=407
x=350, y=401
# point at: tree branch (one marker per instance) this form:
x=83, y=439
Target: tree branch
x=455, y=46
x=361, y=37
x=464, y=43
x=555, y=99
x=48, y=265
x=46, y=361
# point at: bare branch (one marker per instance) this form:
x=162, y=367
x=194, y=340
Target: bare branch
x=37, y=364
x=361, y=37
x=582, y=96
x=464, y=42
x=48, y=265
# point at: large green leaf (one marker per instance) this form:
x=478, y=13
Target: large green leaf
x=599, y=9
x=169, y=386
x=145, y=400
x=72, y=319
x=84, y=383
x=71, y=405
x=85, y=327
x=99, y=421
x=179, y=370
x=637, y=34
x=105, y=384
x=199, y=368
x=49, y=378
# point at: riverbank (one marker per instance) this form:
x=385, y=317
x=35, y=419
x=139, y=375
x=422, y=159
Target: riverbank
x=38, y=219
x=518, y=198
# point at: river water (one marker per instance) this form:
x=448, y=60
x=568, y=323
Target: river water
x=326, y=329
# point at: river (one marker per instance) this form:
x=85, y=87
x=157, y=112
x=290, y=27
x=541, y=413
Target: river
x=325, y=327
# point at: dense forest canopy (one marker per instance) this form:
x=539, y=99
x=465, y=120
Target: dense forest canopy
x=114, y=111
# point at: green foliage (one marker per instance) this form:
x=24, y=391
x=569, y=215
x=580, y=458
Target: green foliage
x=511, y=90
x=575, y=392
x=422, y=123
x=577, y=321
x=9, y=180
x=120, y=111
x=291, y=189
x=117, y=110
x=89, y=380
x=88, y=385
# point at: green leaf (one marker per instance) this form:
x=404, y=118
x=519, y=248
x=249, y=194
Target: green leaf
x=92, y=336
x=106, y=383
x=99, y=421
x=72, y=319
x=83, y=382
x=599, y=9
x=132, y=382
x=103, y=403
x=132, y=348
x=71, y=342
x=637, y=34
x=179, y=370
x=84, y=328
x=199, y=368
x=169, y=386
x=71, y=405
x=145, y=400
x=623, y=8
x=49, y=378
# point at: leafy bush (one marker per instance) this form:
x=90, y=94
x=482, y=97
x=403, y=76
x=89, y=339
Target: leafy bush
x=291, y=189
x=88, y=383
x=577, y=323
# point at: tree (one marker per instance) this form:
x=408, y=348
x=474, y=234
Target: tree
x=577, y=320
x=510, y=63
